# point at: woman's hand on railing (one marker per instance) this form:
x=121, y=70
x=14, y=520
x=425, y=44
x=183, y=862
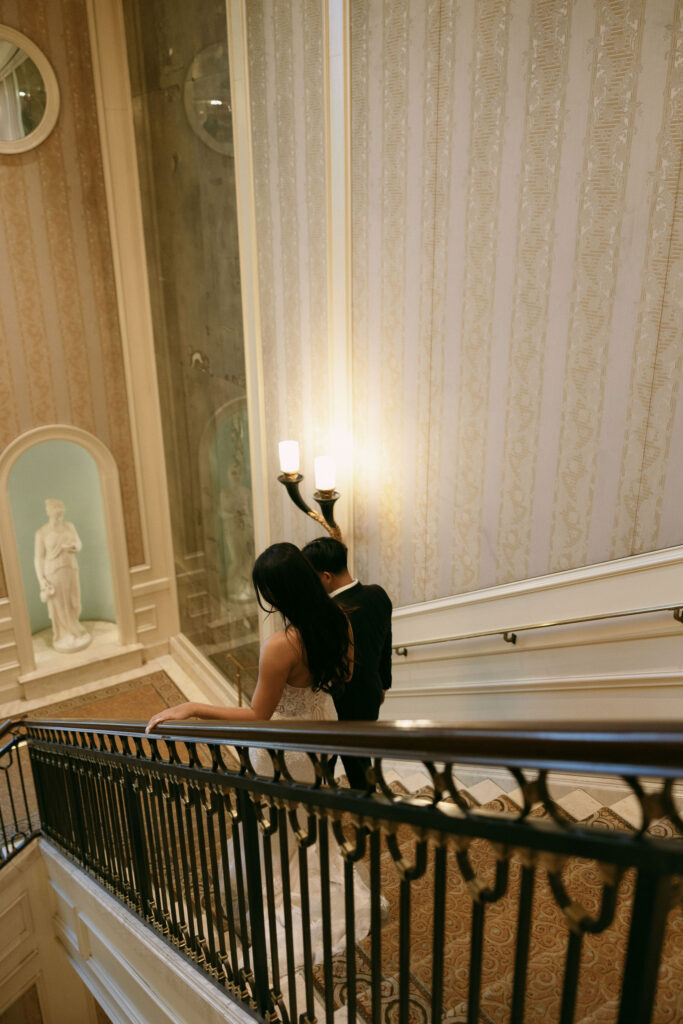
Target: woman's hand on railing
x=174, y=714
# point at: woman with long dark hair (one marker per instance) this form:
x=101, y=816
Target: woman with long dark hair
x=303, y=665
x=301, y=668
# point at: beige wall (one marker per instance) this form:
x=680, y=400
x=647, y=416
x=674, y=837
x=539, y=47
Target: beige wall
x=60, y=346
x=517, y=279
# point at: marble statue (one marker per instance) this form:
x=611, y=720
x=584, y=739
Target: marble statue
x=56, y=545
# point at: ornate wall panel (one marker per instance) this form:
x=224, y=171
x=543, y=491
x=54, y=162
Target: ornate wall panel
x=60, y=346
x=517, y=350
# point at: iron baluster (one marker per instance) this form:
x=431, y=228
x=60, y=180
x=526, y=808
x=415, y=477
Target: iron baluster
x=571, y=977
x=440, y=862
x=287, y=906
x=233, y=971
x=654, y=896
x=580, y=922
x=214, y=894
x=187, y=928
x=268, y=829
x=324, y=853
x=195, y=897
x=376, y=925
x=242, y=905
x=304, y=841
x=156, y=880
x=77, y=809
x=408, y=874
x=109, y=867
x=481, y=895
x=255, y=895
x=351, y=854
x=161, y=857
x=199, y=807
x=137, y=844
x=19, y=746
x=526, y=897
x=170, y=914
x=127, y=850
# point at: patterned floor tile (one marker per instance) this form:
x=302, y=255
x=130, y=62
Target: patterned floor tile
x=579, y=804
x=629, y=809
x=485, y=791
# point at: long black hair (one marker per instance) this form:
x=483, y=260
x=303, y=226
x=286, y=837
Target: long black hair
x=288, y=582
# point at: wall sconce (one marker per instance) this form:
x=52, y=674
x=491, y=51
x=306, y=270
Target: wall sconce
x=324, y=494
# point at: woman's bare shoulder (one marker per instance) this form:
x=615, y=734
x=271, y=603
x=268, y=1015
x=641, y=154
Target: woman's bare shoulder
x=286, y=643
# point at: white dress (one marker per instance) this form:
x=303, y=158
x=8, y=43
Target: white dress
x=308, y=705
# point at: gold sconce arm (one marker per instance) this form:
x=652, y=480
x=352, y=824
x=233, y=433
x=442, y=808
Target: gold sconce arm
x=325, y=499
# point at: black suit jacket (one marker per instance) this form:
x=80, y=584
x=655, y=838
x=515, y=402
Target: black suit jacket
x=369, y=611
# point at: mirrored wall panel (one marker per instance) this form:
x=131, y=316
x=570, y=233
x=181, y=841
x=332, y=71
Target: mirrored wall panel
x=178, y=61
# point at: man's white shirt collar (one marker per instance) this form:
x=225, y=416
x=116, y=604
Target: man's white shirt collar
x=340, y=590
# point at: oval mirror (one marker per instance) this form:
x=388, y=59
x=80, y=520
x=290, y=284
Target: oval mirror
x=207, y=98
x=29, y=94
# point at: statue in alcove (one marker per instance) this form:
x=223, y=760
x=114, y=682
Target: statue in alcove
x=237, y=517
x=56, y=546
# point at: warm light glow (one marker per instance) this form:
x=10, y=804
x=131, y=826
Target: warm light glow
x=325, y=474
x=289, y=456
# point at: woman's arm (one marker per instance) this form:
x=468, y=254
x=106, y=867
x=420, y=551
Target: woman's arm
x=278, y=657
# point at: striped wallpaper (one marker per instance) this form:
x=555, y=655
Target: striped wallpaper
x=285, y=41
x=517, y=279
x=517, y=240
x=60, y=346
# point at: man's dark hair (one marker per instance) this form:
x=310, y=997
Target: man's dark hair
x=326, y=555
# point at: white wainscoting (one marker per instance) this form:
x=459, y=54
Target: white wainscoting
x=29, y=954
x=130, y=970
x=621, y=668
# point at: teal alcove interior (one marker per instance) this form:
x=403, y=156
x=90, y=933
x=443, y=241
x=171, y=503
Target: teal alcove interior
x=64, y=470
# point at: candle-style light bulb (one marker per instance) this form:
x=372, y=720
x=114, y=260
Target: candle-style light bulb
x=325, y=473
x=289, y=456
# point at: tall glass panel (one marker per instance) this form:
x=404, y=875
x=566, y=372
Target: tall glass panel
x=178, y=60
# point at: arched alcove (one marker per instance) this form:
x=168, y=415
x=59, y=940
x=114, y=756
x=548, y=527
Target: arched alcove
x=72, y=466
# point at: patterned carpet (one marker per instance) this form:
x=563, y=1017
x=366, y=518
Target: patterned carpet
x=135, y=700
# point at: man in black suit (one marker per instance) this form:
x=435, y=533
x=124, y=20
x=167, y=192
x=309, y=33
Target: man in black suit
x=369, y=611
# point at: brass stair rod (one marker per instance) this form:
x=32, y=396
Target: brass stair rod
x=510, y=635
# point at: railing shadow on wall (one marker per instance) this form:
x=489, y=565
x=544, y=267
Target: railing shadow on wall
x=299, y=896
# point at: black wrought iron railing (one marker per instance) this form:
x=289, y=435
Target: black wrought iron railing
x=19, y=821
x=411, y=900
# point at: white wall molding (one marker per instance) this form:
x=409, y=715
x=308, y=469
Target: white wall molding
x=623, y=667
x=119, y=158
x=30, y=956
x=132, y=972
x=214, y=687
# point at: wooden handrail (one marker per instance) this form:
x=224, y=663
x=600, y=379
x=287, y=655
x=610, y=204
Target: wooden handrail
x=644, y=748
x=8, y=724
